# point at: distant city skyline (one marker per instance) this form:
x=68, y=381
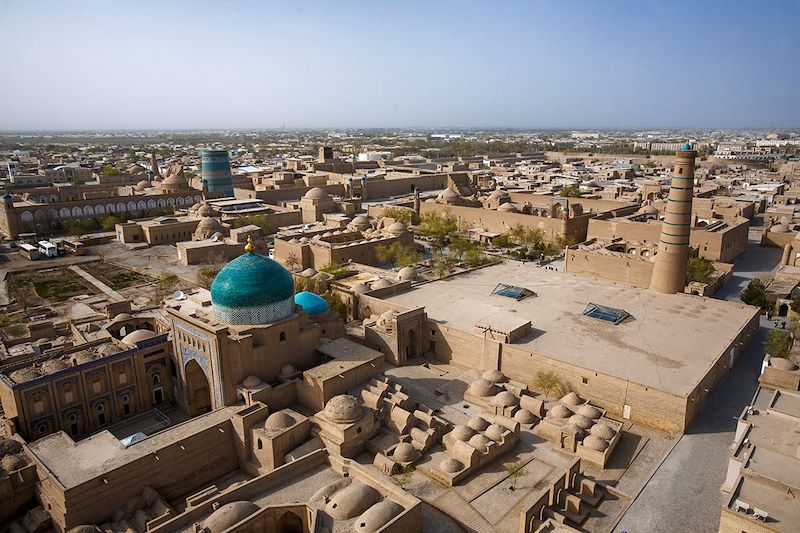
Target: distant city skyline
x=430, y=65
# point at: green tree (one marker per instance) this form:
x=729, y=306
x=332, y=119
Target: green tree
x=778, y=343
x=524, y=236
x=109, y=170
x=262, y=221
x=795, y=305
x=438, y=226
x=399, y=254
x=515, y=471
x=459, y=246
x=547, y=381
x=108, y=222
x=403, y=476
x=570, y=191
x=400, y=214
x=755, y=293
x=442, y=264
x=337, y=305
x=699, y=270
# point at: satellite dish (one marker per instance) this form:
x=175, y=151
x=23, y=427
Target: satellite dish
x=214, y=238
x=178, y=295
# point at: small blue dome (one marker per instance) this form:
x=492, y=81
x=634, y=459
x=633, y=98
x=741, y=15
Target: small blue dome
x=313, y=304
x=252, y=289
x=686, y=146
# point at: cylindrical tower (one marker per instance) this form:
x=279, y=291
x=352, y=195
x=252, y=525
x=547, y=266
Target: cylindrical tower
x=216, y=171
x=669, y=272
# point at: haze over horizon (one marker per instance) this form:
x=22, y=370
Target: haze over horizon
x=545, y=65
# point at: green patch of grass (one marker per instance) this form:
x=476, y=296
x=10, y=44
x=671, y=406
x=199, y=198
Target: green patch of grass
x=58, y=289
x=122, y=280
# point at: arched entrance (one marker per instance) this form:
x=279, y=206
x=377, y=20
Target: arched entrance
x=198, y=392
x=290, y=523
x=411, y=348
x=783, y=310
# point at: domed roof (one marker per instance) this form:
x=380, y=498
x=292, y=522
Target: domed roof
x=571, y=399
x=377, y=516
x=287, y=370
x=316, y=194
x=381, y=283
x=54, y=365
x=477, y=423
x=343, y=409
x=407, y=274
x=12, y=463
x=122, y=316
x=523, y=416
x=462, y=432
x=448, y=194
x=308, y=273
x=209, y=224
x=508, y=207
x=279, y=420
x=579, y=432
x=142, y=185
x=137, y=336
x=498, y=193
x=251, y=382
x=404, y=453
x=593, y=442
x=482, y=388
x=505, y=399
x=397, y=227
x=589, y=411
x=777, y=362
x=603, y=431
x=255, y=282
x=581, y=421
x=479, y=442
x=451, y=465
x=495, y=376
x=495, y=432
x=360, y=288
x=9, y=446
x=24, y=374
x=352, y=501
x=205, y=210
x=648, y=209
x=780, y=228
x=560, y=411
x=313, y=304
x=178, y=178
x=228, y=515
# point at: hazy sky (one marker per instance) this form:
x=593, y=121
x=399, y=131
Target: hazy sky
x=538, y=64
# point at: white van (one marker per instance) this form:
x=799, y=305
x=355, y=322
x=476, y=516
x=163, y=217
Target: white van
x=48, y=249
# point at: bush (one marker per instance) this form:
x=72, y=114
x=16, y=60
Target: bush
x=795, y=305
x=438, y=226
x=699, y=270
x=398, y=254
x=755, y=293
x=262, y=221
x=400, y=214
x=778, y=343
x=570, y=191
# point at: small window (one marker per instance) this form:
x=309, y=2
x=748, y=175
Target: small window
x=282, y=336
x=156, y=379
x=100, y=408
x=584, y=380
x=433, y=333
x=260, y=444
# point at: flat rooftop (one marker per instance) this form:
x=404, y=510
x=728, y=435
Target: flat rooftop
x=669, y=342
x=74, y=463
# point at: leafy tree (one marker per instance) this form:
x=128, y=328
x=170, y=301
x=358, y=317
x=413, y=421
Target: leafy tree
x=699, y=270
x=108, y=222
x=547, y=381
x=459, y=246
x=442, y=264
x=292, y=261
x=262, y=221
x=404, y=476
x=778, y=343
x=755, y=293
x=503, y=241
x=337, y=305
x=474, y=257
x=438, y=226
x=515, y=471
x=398, y=254
x=524, y=236
x=570, y=191
x=337, y=271
x=400, y=214
x=109, y=170
x=209, y=271
x=795, y=305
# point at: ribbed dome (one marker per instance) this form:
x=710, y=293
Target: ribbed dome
x=253, y=289
x=603, y=431
x=343, y=409
x=404, y=453
x=451, y=465
x=477, y=423
x=279, y=420
x=313, y=304
x=462, y=432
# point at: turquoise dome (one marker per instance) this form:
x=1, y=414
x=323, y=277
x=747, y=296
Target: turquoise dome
x=313, y=304
x=252, y=289
x=686, y=146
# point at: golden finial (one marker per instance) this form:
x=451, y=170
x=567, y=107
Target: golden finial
x=250, y=247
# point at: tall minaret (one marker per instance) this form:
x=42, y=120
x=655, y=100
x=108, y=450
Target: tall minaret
x=669, y=272
x=154, y=165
